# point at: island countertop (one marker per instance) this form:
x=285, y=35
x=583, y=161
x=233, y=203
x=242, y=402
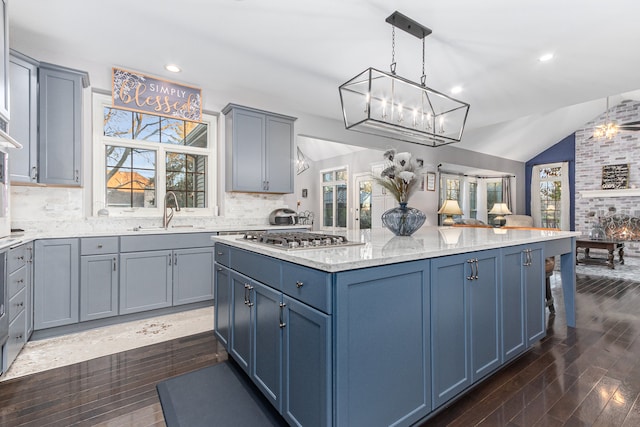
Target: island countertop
x=381, y=247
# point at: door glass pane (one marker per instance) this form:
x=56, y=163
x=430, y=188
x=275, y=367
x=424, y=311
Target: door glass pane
x=341, y=175
x=327, y=206
x=327, y=177
x=341, y=205
x=364, y=199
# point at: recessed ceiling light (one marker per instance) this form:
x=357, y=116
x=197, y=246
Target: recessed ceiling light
x=456, y=89
x=173, y=68
x=546, y=57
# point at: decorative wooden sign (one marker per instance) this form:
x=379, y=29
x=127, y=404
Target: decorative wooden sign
x=146, y=94
x=615, y=177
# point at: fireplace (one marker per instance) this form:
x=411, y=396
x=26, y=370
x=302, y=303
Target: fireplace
x=621, y=227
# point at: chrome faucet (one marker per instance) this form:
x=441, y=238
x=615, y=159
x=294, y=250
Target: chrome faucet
x=166, y=219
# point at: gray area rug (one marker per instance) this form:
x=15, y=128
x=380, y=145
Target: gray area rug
x=630, y=270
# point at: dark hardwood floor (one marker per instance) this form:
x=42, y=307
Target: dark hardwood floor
x=587, y=376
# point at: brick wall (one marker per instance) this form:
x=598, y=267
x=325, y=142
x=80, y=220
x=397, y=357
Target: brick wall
x=592, y=154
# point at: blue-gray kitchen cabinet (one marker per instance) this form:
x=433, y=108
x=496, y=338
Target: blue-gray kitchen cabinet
x=465, y=322
x=382, y=345
x=145, y=281
x=19, y=303
x=98, y=286
x=241, y=319
x=522, y=294
x=4, y=66
x=222, y=300
x=260, y=150
x=24, y=118
x=56, y=282
x=60, y=125
x=192, y=275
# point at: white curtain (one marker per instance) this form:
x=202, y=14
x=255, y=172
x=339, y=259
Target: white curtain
x=535, y=196
x=482, y=200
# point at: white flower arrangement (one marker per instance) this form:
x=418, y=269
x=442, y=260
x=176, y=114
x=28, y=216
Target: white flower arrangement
x=401, y=176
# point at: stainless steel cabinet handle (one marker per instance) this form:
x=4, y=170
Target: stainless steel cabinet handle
x=219, y=269
x=175, y=259
x=249, y=303
x=20, y=281
x=282, y=306
x=30, y=249
x=114, y=263
x=34, y=173
x=470, y=276
x=218, y=253
x=99, y=245
x=299, y=284
x=477, y=269
x=77, y=175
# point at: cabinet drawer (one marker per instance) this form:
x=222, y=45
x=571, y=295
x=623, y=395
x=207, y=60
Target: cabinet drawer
x=259, y=267
x=17, y=258
x=17, y=337
x=310, y=286
x=98, y=245
x=16, y=304
x=222, y=254
x=17, y=280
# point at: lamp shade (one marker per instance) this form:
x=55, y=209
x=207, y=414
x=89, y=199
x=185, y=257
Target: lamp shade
x=450, y=207
x=500, y=209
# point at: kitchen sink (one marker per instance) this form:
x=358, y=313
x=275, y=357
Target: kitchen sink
x=143, y=229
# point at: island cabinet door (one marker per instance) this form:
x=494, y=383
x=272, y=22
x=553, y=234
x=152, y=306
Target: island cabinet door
x=513, y=312
x=241, y=318
x=534, y=283
x=306, y=365
x=381, y=326
x=464, y=321
x=266, y=366
x=222, y=310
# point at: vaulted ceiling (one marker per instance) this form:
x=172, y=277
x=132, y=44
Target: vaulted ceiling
x=294, y=54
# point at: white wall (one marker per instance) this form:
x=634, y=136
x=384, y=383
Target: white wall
x=36, y=203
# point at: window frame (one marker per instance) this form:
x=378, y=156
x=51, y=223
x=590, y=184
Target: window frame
x=334, y=183
x=100, y=141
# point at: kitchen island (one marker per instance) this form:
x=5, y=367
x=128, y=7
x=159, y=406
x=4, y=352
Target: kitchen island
x=390, y=331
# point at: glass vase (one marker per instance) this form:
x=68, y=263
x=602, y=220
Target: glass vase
x=403, y=220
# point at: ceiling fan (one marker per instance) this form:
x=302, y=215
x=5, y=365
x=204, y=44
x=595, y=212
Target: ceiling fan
x=609, y=129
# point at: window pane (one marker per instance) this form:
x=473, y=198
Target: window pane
x=341, y=175
x=171, y=131
x=327, y=206
x=186, y=176
x=341, y=205
x=117, y=123
x=327, y=177
x=127, y=184
x=196, y=134
x=146, y=127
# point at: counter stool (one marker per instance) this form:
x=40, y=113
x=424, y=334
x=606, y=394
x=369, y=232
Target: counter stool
x=549, y=264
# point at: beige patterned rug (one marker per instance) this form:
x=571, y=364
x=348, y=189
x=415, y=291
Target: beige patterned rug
x=64, y=350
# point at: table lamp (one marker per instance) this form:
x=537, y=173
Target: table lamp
x=499, y=209
x=450, y=208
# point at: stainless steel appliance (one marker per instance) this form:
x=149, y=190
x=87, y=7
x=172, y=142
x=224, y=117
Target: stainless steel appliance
x=290, y=240
x=283, y=216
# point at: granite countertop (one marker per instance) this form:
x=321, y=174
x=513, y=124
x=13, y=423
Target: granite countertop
x=381, y=247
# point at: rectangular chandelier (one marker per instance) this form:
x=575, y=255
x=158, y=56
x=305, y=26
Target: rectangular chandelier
x=385, y=104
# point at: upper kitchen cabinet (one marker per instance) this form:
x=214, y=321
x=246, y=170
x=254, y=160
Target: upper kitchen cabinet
x=47, y=120
x=260, y=150
x=4, y=66
x=24, y=121
x=60, y=120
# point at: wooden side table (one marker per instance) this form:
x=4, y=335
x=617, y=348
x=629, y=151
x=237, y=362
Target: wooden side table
x=610, y=245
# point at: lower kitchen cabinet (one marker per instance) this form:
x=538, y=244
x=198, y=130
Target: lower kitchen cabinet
x=157, y=279
x=282, y=344
x=222, y=301
x=98, y=286
x=465, y=321
x=145, y=281
x=19, y=293
x=192, y=275
x=56, y=282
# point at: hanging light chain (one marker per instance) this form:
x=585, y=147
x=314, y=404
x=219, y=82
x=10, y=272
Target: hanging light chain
x=423, y=78
x=393, y=49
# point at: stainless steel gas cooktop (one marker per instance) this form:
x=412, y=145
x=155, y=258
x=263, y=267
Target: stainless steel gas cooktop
x=297, y=240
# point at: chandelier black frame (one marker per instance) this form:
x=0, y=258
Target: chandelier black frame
x=381, y=103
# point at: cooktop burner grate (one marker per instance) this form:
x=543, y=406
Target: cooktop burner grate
x=297, y=240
